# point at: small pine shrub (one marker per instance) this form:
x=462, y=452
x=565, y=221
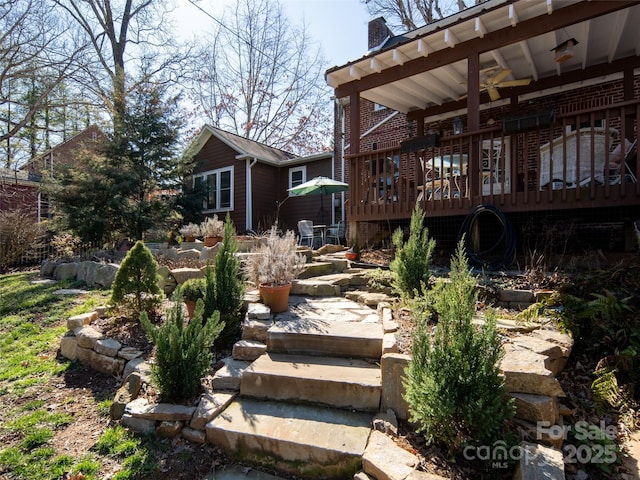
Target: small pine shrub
x=453, y=387
x=229, y=284
x=183, y=352
x=412, y=259
x=135, y=287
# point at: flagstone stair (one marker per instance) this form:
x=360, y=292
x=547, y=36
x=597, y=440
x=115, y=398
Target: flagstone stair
x=305, y=407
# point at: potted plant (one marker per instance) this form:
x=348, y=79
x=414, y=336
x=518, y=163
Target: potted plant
x=190, y=231
x=273, y=266
x=212, y=230
x=192, y=290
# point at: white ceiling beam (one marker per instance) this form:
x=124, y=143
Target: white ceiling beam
x=399, y=58
x=332, y=80
x=549, y=7
x=513, y=15
x=481, y=30
x=441, y=87
x=356, y=72
x=526, y=51
x=586, y=29
x=454, y=75
x=404, y=95
x=393, y=104
x=377, y=65
x=499, y=58
x=424, y=48
x=414, y=89
x=450, y=38
x=616, y=33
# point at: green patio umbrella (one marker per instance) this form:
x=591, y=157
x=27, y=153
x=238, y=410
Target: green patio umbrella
x=319, y=186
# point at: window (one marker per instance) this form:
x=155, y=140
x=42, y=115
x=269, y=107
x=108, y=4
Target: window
x=297, y=175
x=219, y=188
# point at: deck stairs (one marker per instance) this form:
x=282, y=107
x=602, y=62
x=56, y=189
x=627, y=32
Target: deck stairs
x=307, y=399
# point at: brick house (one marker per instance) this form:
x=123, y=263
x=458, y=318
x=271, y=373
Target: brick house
x=526, y=108
x=249, y=180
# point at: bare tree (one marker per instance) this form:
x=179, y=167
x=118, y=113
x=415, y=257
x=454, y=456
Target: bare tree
x=36, y=56
x=130, y=40
x=262, y=78
x=411, y=14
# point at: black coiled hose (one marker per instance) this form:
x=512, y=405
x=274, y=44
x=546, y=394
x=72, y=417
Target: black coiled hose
x=502, y=253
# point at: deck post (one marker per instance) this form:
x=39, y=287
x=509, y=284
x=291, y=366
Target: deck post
x=473, y=121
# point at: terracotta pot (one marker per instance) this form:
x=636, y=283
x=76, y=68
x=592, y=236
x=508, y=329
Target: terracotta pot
x=211, y=241
x=350, y=255
x=276, y=297
x=191, y=307
x=189, y=238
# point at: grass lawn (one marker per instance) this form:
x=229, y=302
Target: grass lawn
x=54, y=414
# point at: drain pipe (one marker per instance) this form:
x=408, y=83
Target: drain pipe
x=249, y=193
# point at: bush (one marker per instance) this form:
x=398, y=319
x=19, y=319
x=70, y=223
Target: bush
x=20, y=237
x=183, y=353
x=193, y=289
x=453, y=388
x=135, y=287
x=412, y=260
x=226, y=285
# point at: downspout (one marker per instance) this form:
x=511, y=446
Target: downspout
x=249, y=194
x=343, y=149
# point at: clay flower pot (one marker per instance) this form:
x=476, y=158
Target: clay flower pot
x=351, y=255
x=276, y=297
x=211, y=241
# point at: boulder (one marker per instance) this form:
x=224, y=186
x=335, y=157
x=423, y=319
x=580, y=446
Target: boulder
x=209, y=253
x=169, y=428
x=80, y=320
x=383, y=459
x=105, y=275
x=69, y=346
x=101, y=363
x=393, y=366
x=536, y=408
x=211, y=404
x=47, y=268
x=193, y=435
x=87, y=336
x=140, y=425
x=192, y=254
x=87, y=272
x=181, y=275
x=127, y=392
x=526, y=372
x=108, y=347
x=66, y=271
x=538, y=461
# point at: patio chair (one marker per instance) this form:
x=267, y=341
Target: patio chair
x=305, y=229
x=337, y=234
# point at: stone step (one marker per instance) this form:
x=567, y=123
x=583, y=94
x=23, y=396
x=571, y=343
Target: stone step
x=337, y=382
x=321, y=337
x=302, y=440
x=248, y=350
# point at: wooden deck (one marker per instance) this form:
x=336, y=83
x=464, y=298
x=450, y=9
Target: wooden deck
x=567, y=165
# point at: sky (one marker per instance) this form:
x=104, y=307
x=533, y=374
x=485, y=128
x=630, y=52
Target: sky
x=338, y=26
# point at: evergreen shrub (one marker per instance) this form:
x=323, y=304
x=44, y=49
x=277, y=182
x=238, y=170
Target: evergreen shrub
x=413, y=258
x=135, y=287
x=454, y=389
x=183, y=352
x=228, y=286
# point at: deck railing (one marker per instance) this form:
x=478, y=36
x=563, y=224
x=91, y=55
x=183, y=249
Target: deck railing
x=580, y=161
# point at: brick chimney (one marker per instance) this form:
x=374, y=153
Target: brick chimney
x=378, y=32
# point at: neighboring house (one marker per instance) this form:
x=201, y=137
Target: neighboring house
x=521, y=105
x=19, y=191
x=50, y=162
x=63, y=154
x=249, y=180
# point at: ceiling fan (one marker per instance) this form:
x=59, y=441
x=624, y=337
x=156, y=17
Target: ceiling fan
x=492, y=81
